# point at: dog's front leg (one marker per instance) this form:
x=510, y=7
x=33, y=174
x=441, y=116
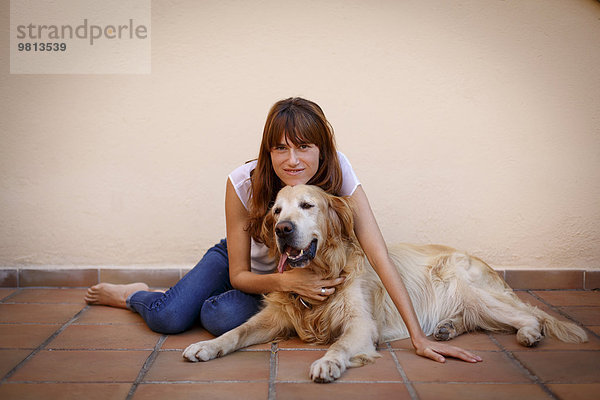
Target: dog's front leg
x=261, y=328
x=354, y=348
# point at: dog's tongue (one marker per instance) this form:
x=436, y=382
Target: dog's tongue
x=282, y=261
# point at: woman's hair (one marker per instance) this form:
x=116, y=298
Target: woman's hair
x=302, y=122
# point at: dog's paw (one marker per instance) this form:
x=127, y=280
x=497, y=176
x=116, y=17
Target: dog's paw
x=201, y=351
x=325, y=371
x=528, y=336
x=445, y=330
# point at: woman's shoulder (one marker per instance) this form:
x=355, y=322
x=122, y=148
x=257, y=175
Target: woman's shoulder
x=240, y=179
x=242, y=173
x=349, y=179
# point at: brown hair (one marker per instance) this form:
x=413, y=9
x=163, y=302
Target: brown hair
x=301, y=121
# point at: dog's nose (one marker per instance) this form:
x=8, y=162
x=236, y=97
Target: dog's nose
x=284, y=228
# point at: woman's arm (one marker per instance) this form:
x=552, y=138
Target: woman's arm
x=374, y=246
x=300, y=281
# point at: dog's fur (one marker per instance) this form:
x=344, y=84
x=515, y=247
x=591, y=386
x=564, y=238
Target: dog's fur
x=451, y=292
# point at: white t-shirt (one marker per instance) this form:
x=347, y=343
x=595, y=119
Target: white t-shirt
x=260, y=262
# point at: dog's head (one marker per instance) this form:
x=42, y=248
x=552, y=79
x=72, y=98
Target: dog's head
x=307, y=226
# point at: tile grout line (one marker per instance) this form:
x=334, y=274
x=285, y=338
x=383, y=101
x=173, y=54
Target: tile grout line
x=523, y=368
x=411, y=390
x=146, y=367
x=273, y=360
x=16, y=292
x=44, y=344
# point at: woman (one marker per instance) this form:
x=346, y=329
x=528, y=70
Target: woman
x=224, y=288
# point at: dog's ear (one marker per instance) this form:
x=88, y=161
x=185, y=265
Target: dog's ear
x=341, y=217
x=267, y=230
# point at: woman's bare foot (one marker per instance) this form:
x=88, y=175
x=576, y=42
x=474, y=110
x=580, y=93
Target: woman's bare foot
x=109, y=294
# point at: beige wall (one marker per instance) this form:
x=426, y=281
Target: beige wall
x=470, y=123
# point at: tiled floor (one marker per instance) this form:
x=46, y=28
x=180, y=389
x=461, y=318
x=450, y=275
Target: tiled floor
x=55, y=346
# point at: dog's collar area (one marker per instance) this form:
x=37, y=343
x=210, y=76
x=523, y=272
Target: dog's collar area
x=304, y=302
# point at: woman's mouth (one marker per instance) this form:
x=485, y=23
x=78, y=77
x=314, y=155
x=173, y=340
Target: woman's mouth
x=294, y=171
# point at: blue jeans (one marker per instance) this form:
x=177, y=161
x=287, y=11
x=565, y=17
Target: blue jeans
x=205, y=293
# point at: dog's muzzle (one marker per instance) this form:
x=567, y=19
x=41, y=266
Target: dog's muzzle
x=290, y=253
x=297, y=258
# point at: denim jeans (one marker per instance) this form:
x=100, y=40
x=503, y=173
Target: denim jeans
x=205, y=293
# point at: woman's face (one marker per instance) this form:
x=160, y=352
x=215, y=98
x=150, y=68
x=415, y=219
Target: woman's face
x=295, y=165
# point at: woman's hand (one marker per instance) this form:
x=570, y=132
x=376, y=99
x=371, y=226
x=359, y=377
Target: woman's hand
x=309, y=285
x=437, y=350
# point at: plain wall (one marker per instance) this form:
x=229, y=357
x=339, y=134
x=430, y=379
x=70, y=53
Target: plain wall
x=474, y=124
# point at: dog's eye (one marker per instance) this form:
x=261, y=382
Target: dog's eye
x=305, y=206
x=276, y=210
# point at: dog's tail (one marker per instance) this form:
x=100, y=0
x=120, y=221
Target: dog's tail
x=561, y=330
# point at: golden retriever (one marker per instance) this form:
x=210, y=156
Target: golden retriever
x=451, y=292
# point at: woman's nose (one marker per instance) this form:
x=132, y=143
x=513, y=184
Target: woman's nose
x=292, y=159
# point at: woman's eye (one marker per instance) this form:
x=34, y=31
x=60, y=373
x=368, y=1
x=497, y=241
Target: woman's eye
x=306, y=206
x=305, y=146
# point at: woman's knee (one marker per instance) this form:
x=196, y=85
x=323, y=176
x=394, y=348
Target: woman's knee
x=167, y=325
x=228, y=310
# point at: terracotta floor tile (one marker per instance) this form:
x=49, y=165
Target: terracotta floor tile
x=183, y=340
x=64, y=391
x=82, y=366
x=402, y=344
x=260, y=346
x=72, y=296
x=30, y=316
x=38, y=313
x=437, y=391
x=25, y=336
x=105, y=337
x=474, y=342
x=108, y=315
x=563, y=298
x=509, y=342
x=343, y=391
x=529, y=298
x=563, y=366
x=384, y=369
x=296, y=343
x=209, y=391
x=5, y=292
x=239, y=366
x=294, y=366
x=495, y=367
x=10, y=358
x=468, y=341
x=585, y=315
x=595, y=329
x=582, y=391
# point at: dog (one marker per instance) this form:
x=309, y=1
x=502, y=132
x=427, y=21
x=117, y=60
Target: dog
x=451, y=292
